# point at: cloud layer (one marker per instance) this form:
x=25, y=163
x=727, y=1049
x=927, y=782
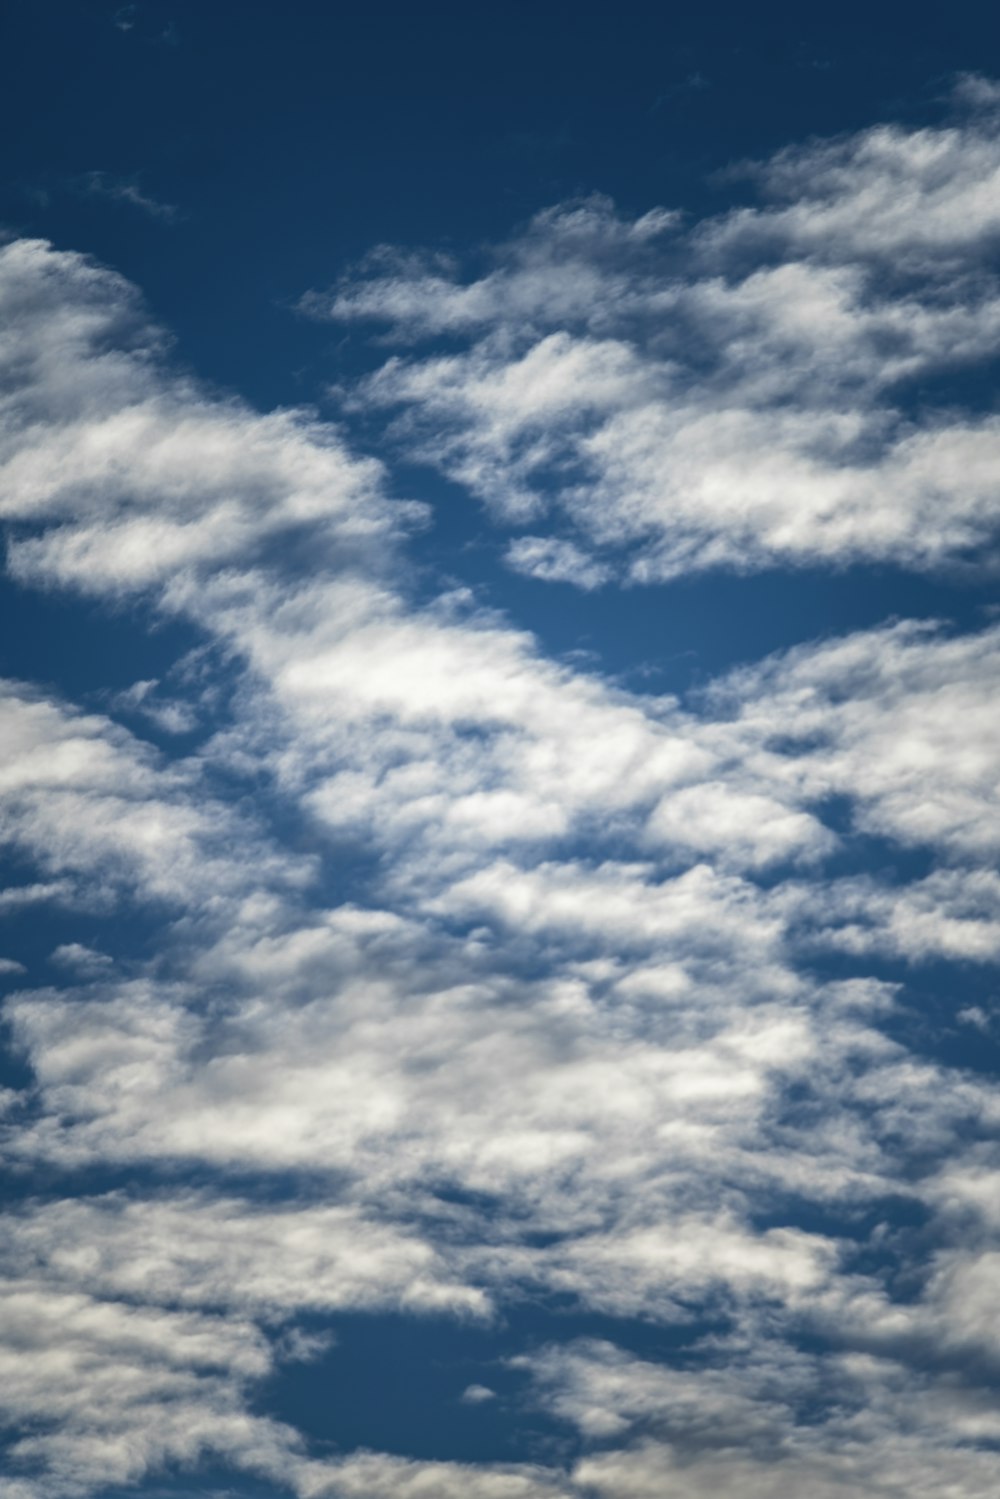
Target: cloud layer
x=473, y=981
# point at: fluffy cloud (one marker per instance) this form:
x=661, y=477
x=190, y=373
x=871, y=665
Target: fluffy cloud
x=739, y=393
x=84, y=800
x=139, y=474
x=104, y=1391
x=899, y=719
x=736, y=1427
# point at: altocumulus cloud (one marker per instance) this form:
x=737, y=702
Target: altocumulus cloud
x=738, y=392
x=581, y=1032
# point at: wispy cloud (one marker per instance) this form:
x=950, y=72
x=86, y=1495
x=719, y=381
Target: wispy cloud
x=556, y=561
x=127, y=190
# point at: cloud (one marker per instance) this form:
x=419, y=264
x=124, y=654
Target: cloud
x=741, y=393
x=170, y=716
x=102, y=1392
x=130, y=1330
x=555, y=561
x=476, y=1394
x=952, y=914
x=75, y=956
x=918, y=196
x=736, y=1427
x=100, y=810
x=139, y=474
x=371, y=1475
x=898, y=719
x=126, y=189
x=15, y=897
x=198, y=1250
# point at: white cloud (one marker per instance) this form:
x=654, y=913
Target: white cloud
x=142, y=475
x=912, y=195
x=100, y=809
x=201, y=1251
x=99, y=1393
x=476, y=1394
x=738, y=395
x=736, y=1428
x=950, y=914
x=900, y=720
x=555, y=561
x=371, y=1475
x=79, y=958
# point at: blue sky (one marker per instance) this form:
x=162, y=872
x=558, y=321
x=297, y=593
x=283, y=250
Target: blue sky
x=498, y=794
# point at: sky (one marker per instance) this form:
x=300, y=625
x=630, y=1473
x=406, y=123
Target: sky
x=499, y=765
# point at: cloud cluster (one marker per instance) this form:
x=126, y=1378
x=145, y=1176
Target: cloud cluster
x=475, y=980
x=764, y=388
